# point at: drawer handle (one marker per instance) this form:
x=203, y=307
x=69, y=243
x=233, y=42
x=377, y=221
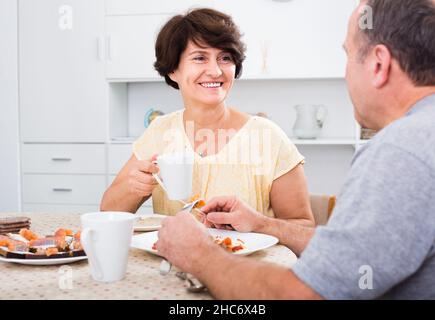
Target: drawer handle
x=62, y=189
x=61, y=159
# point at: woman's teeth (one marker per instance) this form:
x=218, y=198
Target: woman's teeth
x=211, y=84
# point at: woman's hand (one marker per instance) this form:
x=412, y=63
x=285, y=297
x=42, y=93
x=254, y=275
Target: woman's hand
x=229, y=211
x=140, y=179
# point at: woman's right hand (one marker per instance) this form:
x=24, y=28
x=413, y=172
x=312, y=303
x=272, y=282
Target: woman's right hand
x=140, y=179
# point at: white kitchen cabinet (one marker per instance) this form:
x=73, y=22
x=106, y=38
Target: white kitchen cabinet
x=65, y=176
x=301, y=39
x=63, y=93
x=295, y=39
x=132, y=7
x=64, y=158
x=63, y=189
x=132, y=27
x=131, y=46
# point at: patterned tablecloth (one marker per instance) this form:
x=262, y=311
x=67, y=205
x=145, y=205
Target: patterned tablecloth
x=73, y=281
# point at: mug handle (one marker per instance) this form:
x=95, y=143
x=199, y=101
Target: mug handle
x=159, y=181
x=86, y=237
x=323, y=114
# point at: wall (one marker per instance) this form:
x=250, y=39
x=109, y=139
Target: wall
x=9, y=146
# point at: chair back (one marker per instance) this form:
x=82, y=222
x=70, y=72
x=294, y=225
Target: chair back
x=322, y=206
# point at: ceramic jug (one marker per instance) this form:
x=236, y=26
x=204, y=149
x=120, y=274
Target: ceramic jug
x=309, y=121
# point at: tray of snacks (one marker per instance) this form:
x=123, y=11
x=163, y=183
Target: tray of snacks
x=27, y=247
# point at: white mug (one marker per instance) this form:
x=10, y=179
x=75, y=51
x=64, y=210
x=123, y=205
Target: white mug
x=176, y=170
x=106, y=239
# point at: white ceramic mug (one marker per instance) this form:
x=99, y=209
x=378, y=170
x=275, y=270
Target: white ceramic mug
x=176, y=170
x=106, y=239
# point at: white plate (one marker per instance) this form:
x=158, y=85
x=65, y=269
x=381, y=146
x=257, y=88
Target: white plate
x=149, y=222
x=252, y=241
x=43, y=262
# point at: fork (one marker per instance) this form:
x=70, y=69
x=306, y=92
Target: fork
x=165, y=265
x=192, y=286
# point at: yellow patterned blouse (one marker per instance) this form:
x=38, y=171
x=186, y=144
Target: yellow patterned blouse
x=247, y=164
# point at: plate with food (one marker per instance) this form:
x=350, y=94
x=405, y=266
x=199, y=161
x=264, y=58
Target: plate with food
x=149, y=222
x=27, y=247
x=240, y=243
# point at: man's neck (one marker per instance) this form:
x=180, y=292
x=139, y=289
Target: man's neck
x=404, y=100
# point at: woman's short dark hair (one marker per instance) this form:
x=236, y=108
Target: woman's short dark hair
x=203, y=27
x=407, y=28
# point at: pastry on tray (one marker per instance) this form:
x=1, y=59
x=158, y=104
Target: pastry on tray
x=26, y=244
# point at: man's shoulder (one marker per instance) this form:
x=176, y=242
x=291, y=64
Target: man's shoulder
x=414, y=134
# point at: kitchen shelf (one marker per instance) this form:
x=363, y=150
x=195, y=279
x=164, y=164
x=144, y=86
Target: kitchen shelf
x=323, y=141
x=320, y=141
x=123, y=140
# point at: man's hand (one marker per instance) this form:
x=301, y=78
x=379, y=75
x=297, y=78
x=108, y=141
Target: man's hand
x=185, y=242
x=231, y=211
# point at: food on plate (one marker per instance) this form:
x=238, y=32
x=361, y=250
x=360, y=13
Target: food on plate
x=228, y=244
x=29, y=245
x=13, y=245
x=199, y=204
x=28, y=235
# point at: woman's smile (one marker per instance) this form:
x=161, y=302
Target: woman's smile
x=211, y=85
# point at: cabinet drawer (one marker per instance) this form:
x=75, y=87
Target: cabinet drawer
x=63, y=158
x=63, y=189
x=58, y=208
x=118, y=157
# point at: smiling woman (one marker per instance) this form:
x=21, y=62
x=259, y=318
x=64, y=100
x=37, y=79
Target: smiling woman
x=201, y=54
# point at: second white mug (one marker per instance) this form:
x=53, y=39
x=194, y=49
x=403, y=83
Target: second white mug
x=106, y=239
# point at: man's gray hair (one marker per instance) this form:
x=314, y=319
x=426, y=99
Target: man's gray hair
x=407, y=28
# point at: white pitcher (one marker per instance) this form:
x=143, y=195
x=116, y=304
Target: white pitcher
x=309, y=121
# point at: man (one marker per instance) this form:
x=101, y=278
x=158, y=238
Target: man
x=383, y=226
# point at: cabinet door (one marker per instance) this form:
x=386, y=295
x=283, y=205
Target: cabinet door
x=63, y=91
x=296, y=39
x=131, y=46
x=126, y=7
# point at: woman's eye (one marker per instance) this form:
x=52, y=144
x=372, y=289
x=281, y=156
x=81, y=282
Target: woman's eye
x=227, y=58
x=199, y=58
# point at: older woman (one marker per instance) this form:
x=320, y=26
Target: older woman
x=201, y=55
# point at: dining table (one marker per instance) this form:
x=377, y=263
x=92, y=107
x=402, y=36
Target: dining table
x=73, y=281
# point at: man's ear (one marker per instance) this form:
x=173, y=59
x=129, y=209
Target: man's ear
x=381, y=65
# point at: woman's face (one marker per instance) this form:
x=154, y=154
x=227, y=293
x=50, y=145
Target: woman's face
x=204, y=75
